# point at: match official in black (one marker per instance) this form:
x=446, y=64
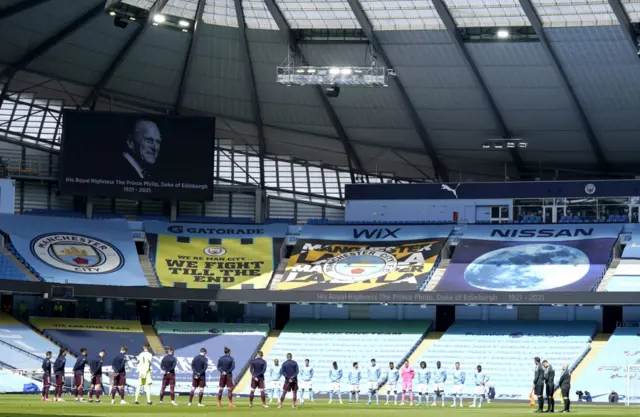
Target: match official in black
x=565, y=387
x=549, y=378
x=538, y=384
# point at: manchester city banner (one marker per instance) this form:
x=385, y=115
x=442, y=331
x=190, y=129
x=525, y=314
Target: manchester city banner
x=233, y=256
x=559, y=257
x=340, y=258
x=76, y=251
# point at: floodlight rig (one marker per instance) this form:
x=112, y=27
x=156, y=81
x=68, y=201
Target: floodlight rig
x=333, y=77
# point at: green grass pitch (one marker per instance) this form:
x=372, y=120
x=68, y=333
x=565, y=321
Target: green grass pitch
x=30, y=405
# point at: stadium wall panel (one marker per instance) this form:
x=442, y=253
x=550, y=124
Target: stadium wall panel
x=631, y=313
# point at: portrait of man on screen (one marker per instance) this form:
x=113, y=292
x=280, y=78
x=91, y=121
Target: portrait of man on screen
x=142, y=149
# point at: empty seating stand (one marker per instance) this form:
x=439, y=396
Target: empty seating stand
x=21, y=347
x=506, y=351
x=608, y=371
x=346, y=341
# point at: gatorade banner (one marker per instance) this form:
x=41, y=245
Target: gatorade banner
x=231, y=256
x=363, y=258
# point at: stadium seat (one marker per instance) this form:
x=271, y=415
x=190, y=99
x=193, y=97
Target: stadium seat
x=346, y=341
x=506, y=351
x=13, y=383
x=94, y=335
x=608, y=371
x=187, y=339
x=20, y=347
x=8, y=270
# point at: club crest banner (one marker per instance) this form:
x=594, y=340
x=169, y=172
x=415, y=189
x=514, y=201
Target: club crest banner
x=76, y=251
x=373, y=258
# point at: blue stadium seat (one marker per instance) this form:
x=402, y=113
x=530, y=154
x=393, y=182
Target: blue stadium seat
x=15, y=383
x=9, y=271
x=608, y=370
x=346, y=341
x=506, y=351
x=20, y=344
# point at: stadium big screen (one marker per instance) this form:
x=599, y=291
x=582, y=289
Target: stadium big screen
x=137, y=156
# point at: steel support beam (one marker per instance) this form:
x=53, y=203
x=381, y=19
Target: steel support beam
x=188, y=62
x=536, y=23
x=122, y=54
x=625, y=22
x=255, y=101
x=19, y=7
x=288, y=37
x=52, y=41
x=439, y=168
x=453, y=31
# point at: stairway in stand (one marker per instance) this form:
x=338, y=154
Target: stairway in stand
x=149, y=271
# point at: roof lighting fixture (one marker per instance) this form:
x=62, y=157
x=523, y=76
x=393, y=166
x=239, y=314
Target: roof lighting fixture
x=486, y=145
x=185, y=30
x=503, y=34
x=497, y=145
x=300, y=71
x=522, y=144
x=159, y=18
x=132, y=18
x=183, y=23
x=510, y=144
x=373, y=76
x=311, y=70
x=504, y=143
x=112, y=13
x=346, y=71
x=334, y=71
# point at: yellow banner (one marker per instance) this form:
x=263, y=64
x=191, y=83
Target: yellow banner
x=120, y=326
x=232, y=263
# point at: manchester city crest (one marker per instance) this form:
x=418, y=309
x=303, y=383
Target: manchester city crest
x=359, y=266
x=77, y=253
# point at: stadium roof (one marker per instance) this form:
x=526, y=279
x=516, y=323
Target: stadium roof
x=567, y=81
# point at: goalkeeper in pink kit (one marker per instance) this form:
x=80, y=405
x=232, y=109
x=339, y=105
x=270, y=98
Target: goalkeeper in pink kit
x=406, y=374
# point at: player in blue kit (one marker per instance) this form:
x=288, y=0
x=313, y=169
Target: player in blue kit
x=306, y=375
x=275, y=378
x=480, y=379
x=354, y=382
x=424, y=376
x=393, y=375
x=373, y=375
x=439, y=376
x=458, y=381
x=335, y=376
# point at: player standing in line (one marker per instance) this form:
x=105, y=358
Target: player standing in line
x=354, y=382
x=538, y=383
x=119, y=367
x=407, y=374
x=290, y=372
x=144, y=373
x=480, y=379
x=549, y=378
x=46, y=376
x=424, y=376
x=565, y=386
x=58, y=371
x=168, y=367
x=306, y=374
x=373, y=374
x=95, y=366
x=458, y=381
x=335, y=376
x=226, y=365
x=78, y=375
x=199, y=366
x=258, y=367
x=275, y=373
x=392, y=383
x=439, y=378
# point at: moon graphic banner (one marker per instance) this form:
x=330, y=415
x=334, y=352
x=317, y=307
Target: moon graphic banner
x=525, y=258
x=330, y=258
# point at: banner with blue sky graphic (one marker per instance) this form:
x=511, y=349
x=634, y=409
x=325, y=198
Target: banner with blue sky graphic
x=567, y=257
x=76, y=251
